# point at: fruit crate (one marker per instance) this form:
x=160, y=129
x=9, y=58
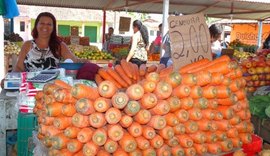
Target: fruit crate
x=26, y=124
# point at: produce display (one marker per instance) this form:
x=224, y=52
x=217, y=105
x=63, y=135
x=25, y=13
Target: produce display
x=11, y=48
x=237, y=44
x=242, y=55
x=260, y=106
x=200, y=109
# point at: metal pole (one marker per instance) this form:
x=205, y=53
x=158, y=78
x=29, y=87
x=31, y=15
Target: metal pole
x=166, y=4
x=12, y=25
x=2, y=65
x=259, y=42
x=104, y=26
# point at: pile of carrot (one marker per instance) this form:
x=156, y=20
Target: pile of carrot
x=202, y=108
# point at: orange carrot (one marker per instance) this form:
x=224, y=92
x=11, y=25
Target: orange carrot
x=85, y=135
x=62, y=122
x=211, y=137
x=80, y=121
x=136, y=152
x=62, y=84
x=148, y=86
x=236, y=107
x=90, y=149
x=128, y=143
x=232, y=133
x=99, y=136
x=115, y=132
x=222, y=136
x=201, y=149
x=122, y=73
x=182, y=91
x=226, y=145
x=201, y=103
x=244, y=114
x=149, y=100
x=171, y=119
x=191, y=127
x=185, y=140
x=132, y=71
x=160, y=67
x=209, y=92
x=142, y=69
x=166, y=71
x=223, y=125
x=208, y=114
x=198, y=137
x=236, y=142
x=84, y=106
x=178, y=150
x=111, y=146
x=250, y=128
x=163, y=90
x=71, y=132
x=135, y=92
x=223, y=67
x=174, y=103
x=187, y=103
x=218, y=115
x=174, y=79
x=117, y=77
x=188, y=67
x=152, y=68
x=166, y=133
x=47, y=141
x=203, y=78
x=196, y=92
x=195, y=114
x=64, y=152
x=68, y=110
x=164, y=150
x=132, y=108
x=242, y=127
x=244, y=104
x=157, y=141
x=74, y=145
x=103, y=153
x=119, y=100
x=226, y=111
x=98, y=79
x=190, y=151
x=204, y=125
x=245, y=137
x=120, y=152
x=149, y=151
x=126, y=68
x=107, y=77
x=172, y=142
x=52, y=131
x=161, y=108
x=227, y=81
x=217, y=78
x=157, y=122
x=179, y=129
x=46, y=120
x=228, y=101
x=113, y=115
x=135, y=129
x=97, y=120
x=64, y=96
x=126, y=121
x=213, y=148
x=50, y=88
x=59, y=141
x=82, y=91
x=102, y=104
x=223, y=92
x=39, y=95
x=143, y=116
x=107, y=89
x=212, y=104
x=154, y=77
x=235, y=120
x=54, y=109
x=235, y=85
x=189, y=79
x=182, y=115
x=148, y=132
x=142, y=143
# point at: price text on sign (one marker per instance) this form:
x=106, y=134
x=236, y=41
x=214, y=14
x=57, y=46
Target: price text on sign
x=190, y=39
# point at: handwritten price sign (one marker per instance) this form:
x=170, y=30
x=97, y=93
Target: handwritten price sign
x=190, y=39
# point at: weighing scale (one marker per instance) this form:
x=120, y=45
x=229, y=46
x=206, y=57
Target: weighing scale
x=12, y=81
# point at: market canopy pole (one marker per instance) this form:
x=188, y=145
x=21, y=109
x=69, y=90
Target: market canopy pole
x=166, y=4
x=259, y=42
x=103, y=26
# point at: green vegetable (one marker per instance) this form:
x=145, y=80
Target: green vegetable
x=258, y=104
x=267, y=111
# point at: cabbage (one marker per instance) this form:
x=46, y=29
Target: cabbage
x=267, y=111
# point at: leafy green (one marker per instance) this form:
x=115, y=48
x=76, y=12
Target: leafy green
x=258, y=104
x=267, y=111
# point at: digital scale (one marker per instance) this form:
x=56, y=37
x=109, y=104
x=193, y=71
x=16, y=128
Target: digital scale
x=12, y=81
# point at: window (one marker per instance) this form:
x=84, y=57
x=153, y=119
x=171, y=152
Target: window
x=152, y=33
x=22, y=26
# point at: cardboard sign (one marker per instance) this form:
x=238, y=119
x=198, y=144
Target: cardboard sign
x=124, y=24
x=190, y=39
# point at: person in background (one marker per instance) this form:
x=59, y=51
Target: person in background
x=45, y=50
x=139, y=45
x=109, y=34
x=166, y=50
x=266, y=44
x=155, y=46
x=215, y=37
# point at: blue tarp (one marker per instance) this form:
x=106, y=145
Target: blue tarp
x=11, y=8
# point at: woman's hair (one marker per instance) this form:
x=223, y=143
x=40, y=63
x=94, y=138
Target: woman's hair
x=143, y=30
x=215, y=31
x=54, y=42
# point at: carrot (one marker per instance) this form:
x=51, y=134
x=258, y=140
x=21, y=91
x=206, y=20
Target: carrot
x=39, y=104
x=232, y=133
x=204, y=125
x=54, y=109
x=90, y=149
x=115, y=132
x=160, y=67
x=148, y=132
x=213, y=127
x=126, y=121
x=153, y=76
x=119, y=100
x=122, y=73
x=157, y=122
x=174, y=103
x=85, y=135
x=107, y=89
x=201, y=149
x=64, y=152
x=187, y=103
x=221, y=67
x=203, y=78
x=68, y=110
x=164, y=150
x=150, y=151
x=232, y=74
x=244, y=104
x=195, y=114
x=152, y=68
x=135, y=92
x=171, y=119
x=179, y=129
x=99, y=136
x=243, y=82
x=235, y=85
x=181, y=91
x=185, y=140
x=132, y=71
x=188, y=67
x=161, y=108
x=217, y=78
x=85, y=106
x=135, y=129
x=97, y=120
x=223, y=125
x=136, y=152
x=98, y=79
x=71, y=132
x=235, y=120
x=80, y=121
x=110, y=146
x=51, y=131
x=212, y=104
x=157, y=141
x=59, y=141
x=211, y=137
x=74, y=145
x=120, y=152
x=201, y=103
x=172, y=142
x=227, y=81
x=236, y=107
x=191, y=127
x=236, y=142
x=226, y=145
x=209, y=92
x=218, y=115
x=143, y=116
x=62, y=122
x=222, y=136
x=113, y=115
x=148, y=100
x=132, y=108
x=189, y=79
x=128, y=143
x=244, y=114
x=166, y=71
x=223, y=92
x=226, y=111
x=148, y=86
x=50, y=88
x=178, y=150
x=190, y=151
x=198, y=137
x=102, y=104
x=64, y=96
x=142, y=69
x=117, y=77
x=163, y=90
x=166, y=133
x=39, y=95
x=107, y=77
x=208, y=114
x=142, y=143
x=46, y=120
x=103, y=153
x=82, y=91
x=174, y=79
x=214, y=148
x=228, y=101
x=241, y=127
x=196, y=92
x=250, y=128
x=126, y=67
x=182, y=115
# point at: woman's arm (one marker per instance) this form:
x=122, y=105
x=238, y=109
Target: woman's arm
x=19, y=67
x=67, y=54
x=133, y=47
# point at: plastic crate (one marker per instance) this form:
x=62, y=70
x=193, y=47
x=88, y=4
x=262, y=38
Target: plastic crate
x=26, y=124
x=254, y=147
